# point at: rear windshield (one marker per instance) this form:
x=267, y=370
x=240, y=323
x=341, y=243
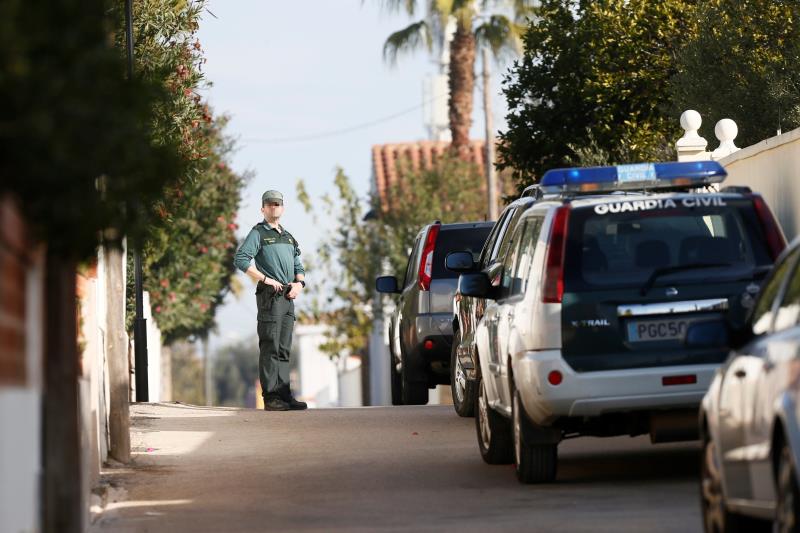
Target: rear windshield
x=621, y=244
x=457, y=240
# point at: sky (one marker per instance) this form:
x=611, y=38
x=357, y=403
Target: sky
x=282, y=70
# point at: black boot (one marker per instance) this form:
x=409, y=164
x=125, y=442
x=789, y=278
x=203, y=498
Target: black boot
x=294, y=405
x=274, y=403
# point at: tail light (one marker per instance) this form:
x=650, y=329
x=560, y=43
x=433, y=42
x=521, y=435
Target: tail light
x=426, y=261
x=553, y=283
x=775, y=240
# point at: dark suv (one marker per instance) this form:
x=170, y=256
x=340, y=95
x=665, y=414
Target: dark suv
x=421, y=325
x=467, y=310
x=585, y=333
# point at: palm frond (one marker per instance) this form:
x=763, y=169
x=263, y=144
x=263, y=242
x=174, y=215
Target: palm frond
x=407, y=40
x=500, y=34
x=393, y=6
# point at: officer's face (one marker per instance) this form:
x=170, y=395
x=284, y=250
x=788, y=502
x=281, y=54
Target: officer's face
x=272, y=210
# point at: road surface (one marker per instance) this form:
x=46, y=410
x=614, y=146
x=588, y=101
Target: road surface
x=204, y=469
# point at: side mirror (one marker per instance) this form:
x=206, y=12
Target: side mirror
x=474, y=284
x=707, y=334
x=459, y=262
x=387, y=284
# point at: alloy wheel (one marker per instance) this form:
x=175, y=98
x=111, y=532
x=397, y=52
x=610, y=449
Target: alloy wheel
x=483, y=418
x=460, y=385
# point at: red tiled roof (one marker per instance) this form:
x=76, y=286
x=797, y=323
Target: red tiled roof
x=420, y=155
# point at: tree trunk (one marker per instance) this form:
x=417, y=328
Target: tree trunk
x=119, y=372
x=63, y=505
x=462, y=85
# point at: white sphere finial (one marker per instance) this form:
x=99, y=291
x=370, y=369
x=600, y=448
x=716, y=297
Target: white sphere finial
x=726, y=131
x=691, y=122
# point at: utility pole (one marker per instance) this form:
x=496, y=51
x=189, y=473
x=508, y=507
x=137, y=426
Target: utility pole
x=140, y=323
x=491, y=178
x=207, y=371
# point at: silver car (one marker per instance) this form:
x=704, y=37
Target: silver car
x=421, y=325
x=749, y=417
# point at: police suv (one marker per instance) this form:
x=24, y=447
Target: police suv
x=585, y=332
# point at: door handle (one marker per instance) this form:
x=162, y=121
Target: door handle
x=740, y=373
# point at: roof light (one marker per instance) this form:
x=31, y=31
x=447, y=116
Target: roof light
x=634, y=177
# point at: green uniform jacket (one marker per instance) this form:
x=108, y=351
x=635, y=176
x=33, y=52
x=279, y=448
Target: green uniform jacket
x=277, y=254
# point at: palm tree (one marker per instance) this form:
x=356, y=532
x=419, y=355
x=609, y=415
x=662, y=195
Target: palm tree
x=473, y=26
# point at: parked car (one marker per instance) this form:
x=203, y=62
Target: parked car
x=749, y=417
x=421, y=326
x=584, y=334
x=467, y=310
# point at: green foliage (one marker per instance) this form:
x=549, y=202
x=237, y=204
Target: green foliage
x=593, y=73
x=189, y=246
x=744, y=64
x=235, y=374
x=77, y=136
x=352, y=255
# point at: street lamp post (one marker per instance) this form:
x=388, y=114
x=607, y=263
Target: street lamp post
x=140, y=323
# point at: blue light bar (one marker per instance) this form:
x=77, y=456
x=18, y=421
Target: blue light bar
x=649, y=176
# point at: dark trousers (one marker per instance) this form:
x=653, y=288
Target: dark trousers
x=275, y=324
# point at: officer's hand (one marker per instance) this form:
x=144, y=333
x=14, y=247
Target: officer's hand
x=274, y=284
x=295, y=291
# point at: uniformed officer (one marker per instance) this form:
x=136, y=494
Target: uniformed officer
x=281, y=277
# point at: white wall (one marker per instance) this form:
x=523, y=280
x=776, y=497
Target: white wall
x=772, y=168
x=320, y=381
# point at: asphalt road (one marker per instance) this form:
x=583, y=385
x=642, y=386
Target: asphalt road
x=385, y=468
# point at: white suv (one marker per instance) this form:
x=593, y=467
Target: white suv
x=585, y=332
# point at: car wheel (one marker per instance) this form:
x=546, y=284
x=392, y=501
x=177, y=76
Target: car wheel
x=396, y=383
x=494, y=433
x=534, y=463
x=413, y=392
x=788, y=504
x=716, y=517
x=463, y=389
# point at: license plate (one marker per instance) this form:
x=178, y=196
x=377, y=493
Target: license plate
x=658, y=330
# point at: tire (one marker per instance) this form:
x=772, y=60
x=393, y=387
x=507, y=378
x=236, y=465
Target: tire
x=787, y=512
x=413, y=392
x=533, y=463
x=716, y=516
x=396, y=383
x=463, y=389
x=493, y=431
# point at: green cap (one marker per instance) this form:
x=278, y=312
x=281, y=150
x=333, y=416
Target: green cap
x=271, y=196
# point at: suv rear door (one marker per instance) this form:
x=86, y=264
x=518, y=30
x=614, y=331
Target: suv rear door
x=443, y=282
x=636, y=273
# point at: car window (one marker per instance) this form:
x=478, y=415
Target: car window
x=508, y=283
x=620, y=244
x=469, y=239
x=500, y=237
x=789, y=311
x=409, y=279
x=762, y=314
x=524, y=259
x=506, y=241
x=492, y=238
